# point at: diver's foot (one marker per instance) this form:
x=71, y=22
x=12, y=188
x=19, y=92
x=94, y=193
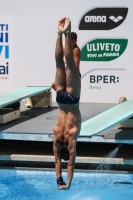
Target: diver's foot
x=67, y=27
x=61, y=24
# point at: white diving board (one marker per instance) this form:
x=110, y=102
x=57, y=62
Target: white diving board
x=107, y=119
x=22, y=93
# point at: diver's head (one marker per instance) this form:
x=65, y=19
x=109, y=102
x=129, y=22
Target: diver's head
x=63, y=152
x=74, y=38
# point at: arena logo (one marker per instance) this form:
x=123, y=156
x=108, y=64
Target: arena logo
x=95, y=19
x=116, y=19
x=103, y=18
x=103, y=49
x=70, y=96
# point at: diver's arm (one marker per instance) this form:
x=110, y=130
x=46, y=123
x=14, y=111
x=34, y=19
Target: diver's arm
x=77, y=56
x=71, y=163
x=58, y=167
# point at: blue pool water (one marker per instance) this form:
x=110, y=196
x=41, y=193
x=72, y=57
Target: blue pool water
x=41, y=185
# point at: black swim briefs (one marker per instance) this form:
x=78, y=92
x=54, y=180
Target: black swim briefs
x=63, y=97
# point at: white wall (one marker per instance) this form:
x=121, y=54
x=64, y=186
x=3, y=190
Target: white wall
x=34, y=35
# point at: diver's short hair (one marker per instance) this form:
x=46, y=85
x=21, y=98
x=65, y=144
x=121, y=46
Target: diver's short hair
x=73, y=36
x=63, y=152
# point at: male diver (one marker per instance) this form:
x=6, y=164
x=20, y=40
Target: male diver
x=68, y=86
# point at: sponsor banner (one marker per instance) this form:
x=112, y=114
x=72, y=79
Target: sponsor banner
x=103, y=19
x=102, y=79
x=6, y=53
x=103, y=49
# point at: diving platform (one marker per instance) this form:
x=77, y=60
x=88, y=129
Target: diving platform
x=20, y=94
x=107, y=119
x=35, y=96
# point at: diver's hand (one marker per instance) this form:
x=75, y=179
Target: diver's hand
x=61, y=187
x=60, y=183
x=67, y=187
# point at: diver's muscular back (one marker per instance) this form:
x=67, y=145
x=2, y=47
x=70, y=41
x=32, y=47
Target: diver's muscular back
x=68, y=123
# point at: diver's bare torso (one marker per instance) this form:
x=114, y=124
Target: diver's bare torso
x=69, y=123
x=77, y=55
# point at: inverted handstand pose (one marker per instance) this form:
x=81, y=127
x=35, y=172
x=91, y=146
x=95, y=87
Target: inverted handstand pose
x=67, y=86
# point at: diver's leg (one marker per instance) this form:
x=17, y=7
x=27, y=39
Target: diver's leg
x=60, y=79
x=73, y=83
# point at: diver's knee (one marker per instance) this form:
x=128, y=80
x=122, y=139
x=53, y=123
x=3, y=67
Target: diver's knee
x=53, y=85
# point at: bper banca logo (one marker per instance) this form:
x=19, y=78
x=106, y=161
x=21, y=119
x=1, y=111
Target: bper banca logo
x=103, y=49
x=103, y=18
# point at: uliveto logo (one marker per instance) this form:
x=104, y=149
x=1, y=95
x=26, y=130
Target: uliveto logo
x=103, y=18
x=103, y=49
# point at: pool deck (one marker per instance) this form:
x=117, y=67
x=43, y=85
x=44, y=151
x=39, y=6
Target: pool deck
x=35, y=126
